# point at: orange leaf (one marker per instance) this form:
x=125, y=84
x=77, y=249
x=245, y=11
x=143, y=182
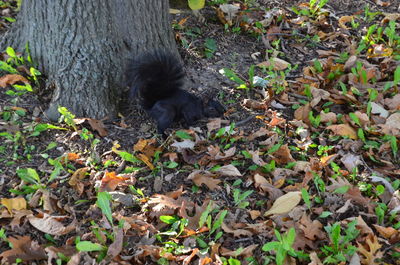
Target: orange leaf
x=110, y=181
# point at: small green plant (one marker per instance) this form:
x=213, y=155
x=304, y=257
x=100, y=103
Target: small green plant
x=313, y=10
x=32, y=180
x=210, y=47
x=340, y=248
x=315, y=121
x=239, y=198
x=282, y=247
x=67, y=117
x=369, y=16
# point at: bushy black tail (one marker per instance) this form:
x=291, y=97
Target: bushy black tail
x=154, y=76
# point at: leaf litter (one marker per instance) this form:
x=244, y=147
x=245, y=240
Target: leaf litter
x=317, y=152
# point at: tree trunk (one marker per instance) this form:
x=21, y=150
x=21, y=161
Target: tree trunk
x=82, y=47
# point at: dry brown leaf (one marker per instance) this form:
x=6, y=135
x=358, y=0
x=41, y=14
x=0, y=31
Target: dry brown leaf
x=277, y=63
x=301, y=113
x=245, y=252
x=312, y=229
x=228, y=170
x=318, y=95
x=254, y=104
x=216, y=154
x=98, y=126
x=51, y=224
x=185, y=144
x=285, y=203
x=328, y=117
x=255, y=156
x=261, y=132
x=390, y=17
x=11, y=79
x=236, y=232
x=392, y=125
x=116, y=247
x=140, y=145
x=200, y=177
x=283, y=156
x=14, y=204
x=145, y=160
x=214, y=124
x=393, y=103
x=343, y=20
x=386, y=232
x=343, y=130
x=78, y=175
x=371, y=250
x=23, y=248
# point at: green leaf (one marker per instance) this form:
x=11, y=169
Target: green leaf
x=168, y=219
x=325, y=214
x=306, y=197
x=89, y=246
x=232, y=76
x=103, y=202
x=271, y=246
x=11, y=52
x=8, y=68
x=128, y=157
x=28, y=175
x=217, y=224
x=183, y=135
x=397, y=76
x=342, y=190
x=196, y=4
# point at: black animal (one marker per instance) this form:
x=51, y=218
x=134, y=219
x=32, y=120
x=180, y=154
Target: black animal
x=157, y=79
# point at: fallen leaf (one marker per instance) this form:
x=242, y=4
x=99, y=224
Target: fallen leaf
x=371, y=250
x=244, y=252
x=343, y=20
x=283, y=156
x=228, y=170
x=386, y=232
x=343, y=130
x=98, y=125
x=145, y=160
x=285, y=203
x=11, y=79
x=312, y=229
x=51, y=224
x=200, y=177
x=235, y=232
x=14, y=204
x=23, y=248
x=277, y=64
x=110, y=181
x=116, y=247
x=185, y=144
x=392, y=125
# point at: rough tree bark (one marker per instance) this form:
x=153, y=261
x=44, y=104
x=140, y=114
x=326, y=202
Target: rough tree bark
x=83, y=45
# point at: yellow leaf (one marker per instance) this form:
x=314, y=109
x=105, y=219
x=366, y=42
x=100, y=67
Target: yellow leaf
x=14, y=204
x=344, y=130
x=146, y=160
x=285, y=203
x=196, y=4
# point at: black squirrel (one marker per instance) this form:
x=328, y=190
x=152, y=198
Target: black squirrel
x=157, y=79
